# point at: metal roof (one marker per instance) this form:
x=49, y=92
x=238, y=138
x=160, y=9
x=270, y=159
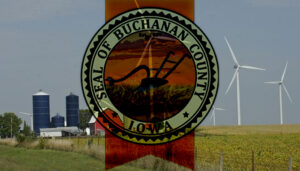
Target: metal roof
x=40, y=93
x=71, y=94
x=92, y=120
x=59, y=129
x=58, y=116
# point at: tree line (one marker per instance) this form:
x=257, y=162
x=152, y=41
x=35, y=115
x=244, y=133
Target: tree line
x=10, y=124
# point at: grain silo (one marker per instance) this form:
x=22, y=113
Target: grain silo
x=57, y=121
x=72, y=105
x=41, y=111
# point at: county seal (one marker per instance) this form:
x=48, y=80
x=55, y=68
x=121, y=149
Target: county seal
x=150, y=76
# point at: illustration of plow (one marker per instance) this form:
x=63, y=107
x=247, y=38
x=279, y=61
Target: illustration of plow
x=149, y=83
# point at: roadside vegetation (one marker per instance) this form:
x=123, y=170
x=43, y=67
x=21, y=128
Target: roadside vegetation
x=272, y=147
x=32, y=159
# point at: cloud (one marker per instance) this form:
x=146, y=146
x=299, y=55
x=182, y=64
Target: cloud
x=31, y=10
x=275, y=3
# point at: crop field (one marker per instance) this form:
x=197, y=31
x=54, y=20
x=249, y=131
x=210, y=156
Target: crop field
x=170, y=99
x=271, y=147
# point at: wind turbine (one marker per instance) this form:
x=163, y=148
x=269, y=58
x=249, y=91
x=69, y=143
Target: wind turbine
x=213, y=116
x=281, y=84
x=31, y=118
x=237, y=68
x=148, y=47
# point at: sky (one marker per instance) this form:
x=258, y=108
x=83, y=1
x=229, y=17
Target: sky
x=42, y=45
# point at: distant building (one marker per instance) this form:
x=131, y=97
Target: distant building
x=57, y=121
x=41, y=111
x=59, y=132
x=95, y=127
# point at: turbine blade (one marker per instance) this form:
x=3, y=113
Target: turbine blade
x=231, y=51
x=138, y=6
x=144, y=52
x=272, y=82
x=220, y=109
x=283, y=75
x=147, y=45
x=26, y=113
x=251, y=67
x=165, y=38
x=233, y=78
x=287, y=93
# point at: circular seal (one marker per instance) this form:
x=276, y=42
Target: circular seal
x=150, y=76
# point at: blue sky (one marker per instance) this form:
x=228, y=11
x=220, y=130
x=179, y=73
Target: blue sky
x=42, y=45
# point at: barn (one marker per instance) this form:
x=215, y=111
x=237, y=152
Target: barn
x=95, y=127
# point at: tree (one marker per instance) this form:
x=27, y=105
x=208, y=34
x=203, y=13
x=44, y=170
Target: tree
x=9, y=125
x=26, y=130
x=1, y=126
x=84, y=118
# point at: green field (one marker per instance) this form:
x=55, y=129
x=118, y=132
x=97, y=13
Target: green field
x=272, y=146
x=31, y=159
x=12, y=158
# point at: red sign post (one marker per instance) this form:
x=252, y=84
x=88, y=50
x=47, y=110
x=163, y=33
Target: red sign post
x=119, y=151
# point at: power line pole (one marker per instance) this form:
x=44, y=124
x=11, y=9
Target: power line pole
x=253, y=166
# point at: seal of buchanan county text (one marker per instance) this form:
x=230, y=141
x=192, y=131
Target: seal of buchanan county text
x=150, y=76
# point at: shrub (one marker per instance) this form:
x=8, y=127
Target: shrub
x=21, y=138
x=90, y=142
x=42, y=143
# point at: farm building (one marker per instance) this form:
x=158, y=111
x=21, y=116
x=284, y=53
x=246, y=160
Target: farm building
x=59, y=132
x=95, y=127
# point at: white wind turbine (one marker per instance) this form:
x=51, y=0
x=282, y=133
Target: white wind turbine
x=148, y=47
x=281, y=84
x=31, y=118
x=213, y=116
x=237, y=68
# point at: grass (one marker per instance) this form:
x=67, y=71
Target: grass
x=273, y=145
x=166, y=101
x=12, y=158
x=31, y=159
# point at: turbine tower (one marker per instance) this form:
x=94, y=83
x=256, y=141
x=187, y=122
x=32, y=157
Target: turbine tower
x=213, y=116
x=31, y=118
x=237, y=68
x=281, y=84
